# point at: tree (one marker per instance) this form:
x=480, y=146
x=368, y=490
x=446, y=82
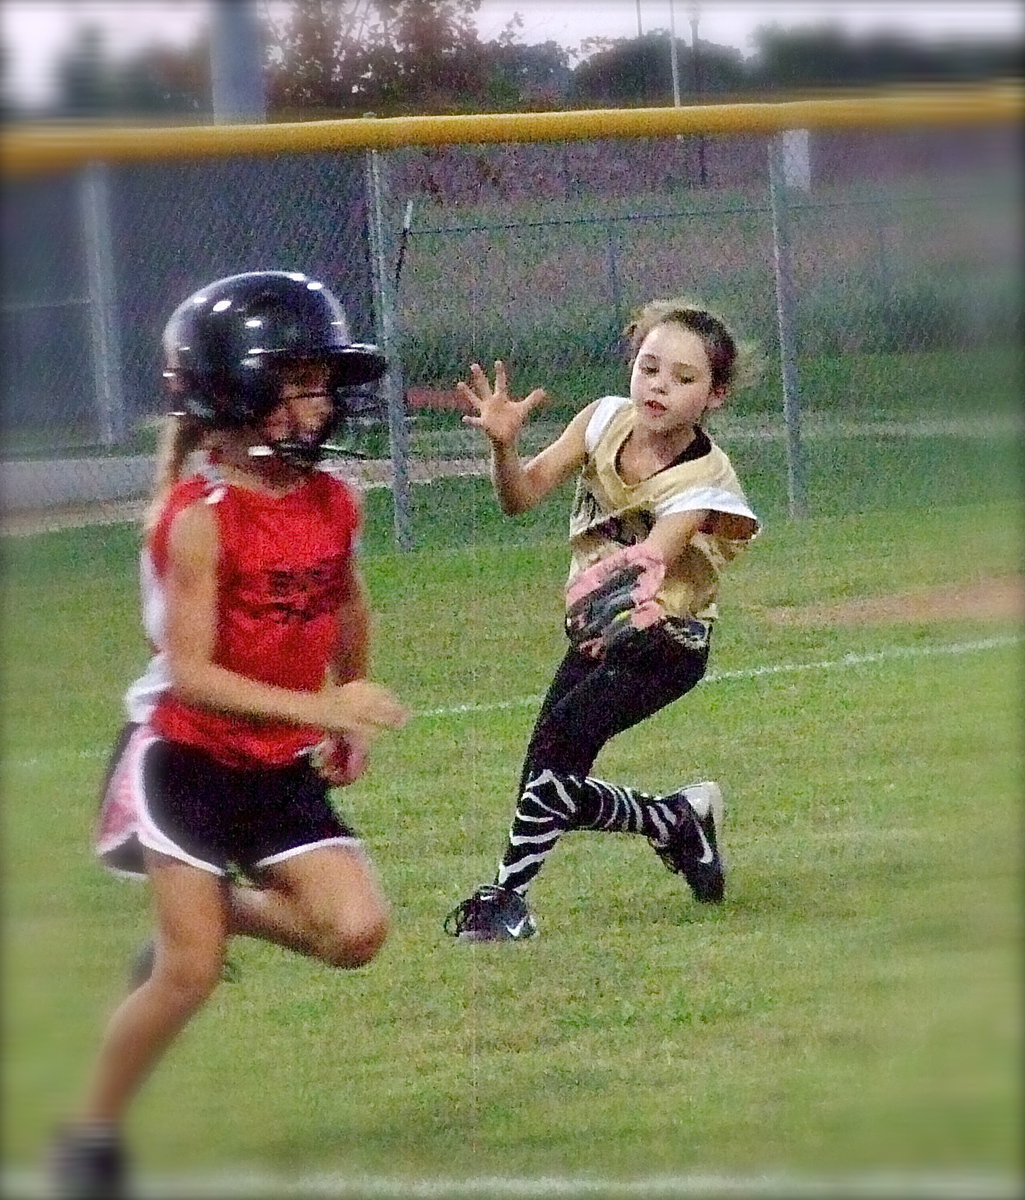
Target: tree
x=156, y=80
x=8, y=104
x=310, y=55
x=348, y=57
x=388, y=56
x=637, y=72
x=162, y=81
x=823, y=56
x=519, y=77
x=85, y=76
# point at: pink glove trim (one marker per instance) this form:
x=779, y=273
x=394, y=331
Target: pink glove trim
x=653, y=573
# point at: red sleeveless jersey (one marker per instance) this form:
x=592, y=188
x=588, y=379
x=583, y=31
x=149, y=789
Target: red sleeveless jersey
x=280, y=580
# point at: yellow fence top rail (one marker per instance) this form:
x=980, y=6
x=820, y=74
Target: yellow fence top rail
x=37, y=148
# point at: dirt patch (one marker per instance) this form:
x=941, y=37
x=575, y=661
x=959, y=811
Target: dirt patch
x=987, y=600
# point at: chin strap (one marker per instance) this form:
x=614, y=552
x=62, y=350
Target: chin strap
x=303, y=455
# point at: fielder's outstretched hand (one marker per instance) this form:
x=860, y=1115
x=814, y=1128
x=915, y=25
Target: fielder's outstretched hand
x=494, y=411
x=611, y=605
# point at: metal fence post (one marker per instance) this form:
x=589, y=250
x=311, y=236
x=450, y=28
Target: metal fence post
x=786, y=298
x=612, y=263
x=101, y=289
x=392, y=383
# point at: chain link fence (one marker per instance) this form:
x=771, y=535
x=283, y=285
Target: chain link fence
x=879, y=273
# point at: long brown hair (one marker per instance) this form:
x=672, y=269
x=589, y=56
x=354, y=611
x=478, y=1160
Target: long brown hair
x=178, y=437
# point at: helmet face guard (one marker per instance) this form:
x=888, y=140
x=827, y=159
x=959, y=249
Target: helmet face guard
x=225, y=346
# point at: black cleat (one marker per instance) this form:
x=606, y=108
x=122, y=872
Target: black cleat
x=693, y=847
x=87, y=1164
x=491, y=914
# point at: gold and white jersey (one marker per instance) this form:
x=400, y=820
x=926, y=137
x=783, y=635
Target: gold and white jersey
x=608, y=513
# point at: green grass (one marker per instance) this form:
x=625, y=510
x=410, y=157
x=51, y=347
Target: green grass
x=845, y=472
x=549, y=286
x=853, y=1008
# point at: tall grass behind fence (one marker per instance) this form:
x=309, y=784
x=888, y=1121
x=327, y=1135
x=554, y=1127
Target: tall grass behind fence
x=889, y=273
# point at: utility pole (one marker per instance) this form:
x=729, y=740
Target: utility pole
x=695, y=13
x=674, y=62
x=236, y=63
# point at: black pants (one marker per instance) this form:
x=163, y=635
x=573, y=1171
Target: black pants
x=589, y=702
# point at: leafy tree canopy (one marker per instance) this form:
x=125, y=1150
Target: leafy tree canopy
x=349, y=57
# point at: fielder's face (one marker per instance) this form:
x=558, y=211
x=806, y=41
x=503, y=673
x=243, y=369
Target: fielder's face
x=671, y=380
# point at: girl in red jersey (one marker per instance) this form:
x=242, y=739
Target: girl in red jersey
x=256, y=698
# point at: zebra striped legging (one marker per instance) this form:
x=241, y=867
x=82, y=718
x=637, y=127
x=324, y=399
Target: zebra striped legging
x=587, y=704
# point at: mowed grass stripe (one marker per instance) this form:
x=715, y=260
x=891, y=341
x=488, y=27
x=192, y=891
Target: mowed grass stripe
x=846, y=661
x=253, y=1186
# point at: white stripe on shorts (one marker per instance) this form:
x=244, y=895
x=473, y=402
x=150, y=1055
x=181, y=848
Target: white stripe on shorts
x=125, y=815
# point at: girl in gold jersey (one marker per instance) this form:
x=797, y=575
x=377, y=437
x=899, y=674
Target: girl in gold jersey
x=657, y=499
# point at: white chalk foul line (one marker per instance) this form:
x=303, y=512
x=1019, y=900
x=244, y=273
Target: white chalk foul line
x=826, y=664
x=251, y=1185
x=887, y=654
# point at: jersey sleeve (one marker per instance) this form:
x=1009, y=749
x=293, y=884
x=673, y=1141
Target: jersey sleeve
x=711, y=485
x=732, y=514
x=606, y=409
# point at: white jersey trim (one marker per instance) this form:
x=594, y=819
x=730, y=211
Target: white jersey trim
x=607, y=408
x=141, y=698
x=154, y=608
x=716, y=499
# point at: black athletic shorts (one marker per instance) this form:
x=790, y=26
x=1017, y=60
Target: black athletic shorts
x=181, y=802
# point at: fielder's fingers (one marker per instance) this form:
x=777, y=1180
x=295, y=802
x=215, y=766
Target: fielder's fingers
x=367, y=729
x=468, y=393
x=500, y=379
x=534, y=398
x=480, y=381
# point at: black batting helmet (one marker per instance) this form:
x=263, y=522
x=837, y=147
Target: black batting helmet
x=223, y=345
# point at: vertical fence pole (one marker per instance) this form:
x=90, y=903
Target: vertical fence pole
x=885, y=272
x=391, y=385
x=236, y=63
x=102, y=292
x=786, y=298
x=612, y=265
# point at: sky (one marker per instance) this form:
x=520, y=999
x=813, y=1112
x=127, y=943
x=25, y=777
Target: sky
x=35, y=32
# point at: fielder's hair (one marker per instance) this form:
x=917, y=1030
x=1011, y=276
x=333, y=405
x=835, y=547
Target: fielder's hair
x=733, y=364
x=179, y=435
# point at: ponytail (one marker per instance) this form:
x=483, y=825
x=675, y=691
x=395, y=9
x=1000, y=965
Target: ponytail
x=179, y=435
